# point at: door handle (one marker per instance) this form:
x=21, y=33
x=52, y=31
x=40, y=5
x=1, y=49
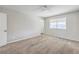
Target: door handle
x=5, y=30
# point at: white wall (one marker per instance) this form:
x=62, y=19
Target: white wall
x=21, y=26
x=72, y=30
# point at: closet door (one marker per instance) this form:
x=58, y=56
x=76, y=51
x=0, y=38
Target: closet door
x=3, y=29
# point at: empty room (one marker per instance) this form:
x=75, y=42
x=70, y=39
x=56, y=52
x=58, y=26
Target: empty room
x=39, y=29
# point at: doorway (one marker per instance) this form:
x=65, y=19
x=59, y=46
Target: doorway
x=42, y=26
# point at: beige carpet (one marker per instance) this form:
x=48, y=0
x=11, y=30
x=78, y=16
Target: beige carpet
x=43, y=44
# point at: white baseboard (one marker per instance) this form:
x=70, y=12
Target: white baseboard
x=3, y=45
x=70, y=39
x=25, y=37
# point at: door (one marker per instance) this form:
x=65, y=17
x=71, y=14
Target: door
x=3, y=29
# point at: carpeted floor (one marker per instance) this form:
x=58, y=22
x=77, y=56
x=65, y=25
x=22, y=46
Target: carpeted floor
x=43, y=44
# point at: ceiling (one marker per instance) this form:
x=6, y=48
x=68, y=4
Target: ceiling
x=40, y=10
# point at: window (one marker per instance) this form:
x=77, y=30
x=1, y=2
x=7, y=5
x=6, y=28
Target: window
x=59, y=23
x=53, y=25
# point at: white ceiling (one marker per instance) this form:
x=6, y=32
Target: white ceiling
x=36, y=9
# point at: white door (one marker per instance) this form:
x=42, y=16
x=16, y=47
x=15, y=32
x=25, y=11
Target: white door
x=3, y=29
